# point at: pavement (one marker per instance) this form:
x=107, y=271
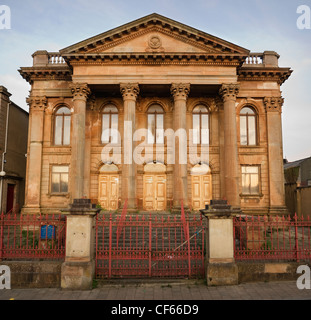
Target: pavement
x=285, y=290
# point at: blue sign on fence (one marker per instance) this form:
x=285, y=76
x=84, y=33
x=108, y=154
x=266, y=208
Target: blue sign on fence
x=48, y=232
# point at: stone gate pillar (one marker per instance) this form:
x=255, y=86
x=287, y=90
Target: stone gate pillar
x=37, y=106
x=180, y=92
x=78, y=270
x=221, y=267
x=129, y=91
x=80, y=93
x=229, y=92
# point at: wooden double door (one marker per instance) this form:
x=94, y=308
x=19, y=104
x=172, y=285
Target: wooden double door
x=154, y=192
x=201, y=186
x=108, y=191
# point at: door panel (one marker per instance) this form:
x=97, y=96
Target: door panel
x=201, y=191
x=109, y=191
x=155, y=192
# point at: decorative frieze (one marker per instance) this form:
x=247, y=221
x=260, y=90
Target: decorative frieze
x=229, y=91
x=273, y=104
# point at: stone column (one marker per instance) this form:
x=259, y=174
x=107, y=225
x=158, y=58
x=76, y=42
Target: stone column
x=129, y=91
x=37, y=106
x=78, y=270
x=80, y=93
x=180, y=92
x=228, y=93
x=221, y=266
x=222, y=152
x=273, y=106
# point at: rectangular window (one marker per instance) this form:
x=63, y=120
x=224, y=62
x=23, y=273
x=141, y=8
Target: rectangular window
x=205, y=129
x=66, y=138
x=60, y=178
x=160, y=129
x=243, y=131
x=252, y=131
x=250, y=180
x=155, y=128
x=58, y=130
x=196, y=128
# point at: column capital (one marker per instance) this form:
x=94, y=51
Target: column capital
x=129, y=91
x=180, y=90
x=229, y=91
x=273, y=104
x=37, y=103
x=80, y=90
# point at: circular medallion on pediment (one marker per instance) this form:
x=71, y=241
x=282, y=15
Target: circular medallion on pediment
x=155, y=42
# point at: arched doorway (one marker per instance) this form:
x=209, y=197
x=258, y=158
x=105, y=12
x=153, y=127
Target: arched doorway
x=201, y=186
x=154, y=187
x=108, y=187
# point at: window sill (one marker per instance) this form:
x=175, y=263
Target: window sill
x=251, y=196
x=67, y=195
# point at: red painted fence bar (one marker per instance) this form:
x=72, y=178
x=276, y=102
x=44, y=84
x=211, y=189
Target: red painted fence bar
x=29, y=237
x=272, y=238
x=149, y=246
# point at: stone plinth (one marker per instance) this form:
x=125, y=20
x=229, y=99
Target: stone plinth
x=221, y=267
x=78, y=269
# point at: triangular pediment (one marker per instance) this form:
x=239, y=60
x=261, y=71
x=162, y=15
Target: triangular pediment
x=154, y=34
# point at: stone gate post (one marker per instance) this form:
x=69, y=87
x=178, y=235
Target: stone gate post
x=221, y=267
x=77, y=271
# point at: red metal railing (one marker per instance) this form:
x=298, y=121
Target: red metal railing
x=272, y=238
x=149, y=246
x=32, y=237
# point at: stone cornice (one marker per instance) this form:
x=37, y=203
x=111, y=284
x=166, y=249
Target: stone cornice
x=273, y=104
x=31, y=74
x=279, y=75
x=229, y=91
x=158, y=58
x=129, y=91
x=180, y=90
x=37, y=103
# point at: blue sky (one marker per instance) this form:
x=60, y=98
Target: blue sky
x=257, y=25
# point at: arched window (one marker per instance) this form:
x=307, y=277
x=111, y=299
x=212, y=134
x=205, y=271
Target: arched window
x=200, y=125
x=156, y=124
x=62, y=127
x=248, y=127
x=110, y=119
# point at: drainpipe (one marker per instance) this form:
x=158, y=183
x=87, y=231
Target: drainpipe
x=2, y=173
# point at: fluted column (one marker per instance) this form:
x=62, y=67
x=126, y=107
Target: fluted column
x=129, y=91
x=273, y=106
x=37, y=106
x=180, y=92
x=228, y=93
x=80, y=93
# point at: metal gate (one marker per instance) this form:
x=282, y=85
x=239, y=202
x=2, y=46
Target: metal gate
x=149, y=246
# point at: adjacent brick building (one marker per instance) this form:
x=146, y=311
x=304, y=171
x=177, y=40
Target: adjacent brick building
x=13, y=150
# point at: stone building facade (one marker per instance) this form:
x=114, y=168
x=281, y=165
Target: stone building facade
x=13, y=149
x=90, y=103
